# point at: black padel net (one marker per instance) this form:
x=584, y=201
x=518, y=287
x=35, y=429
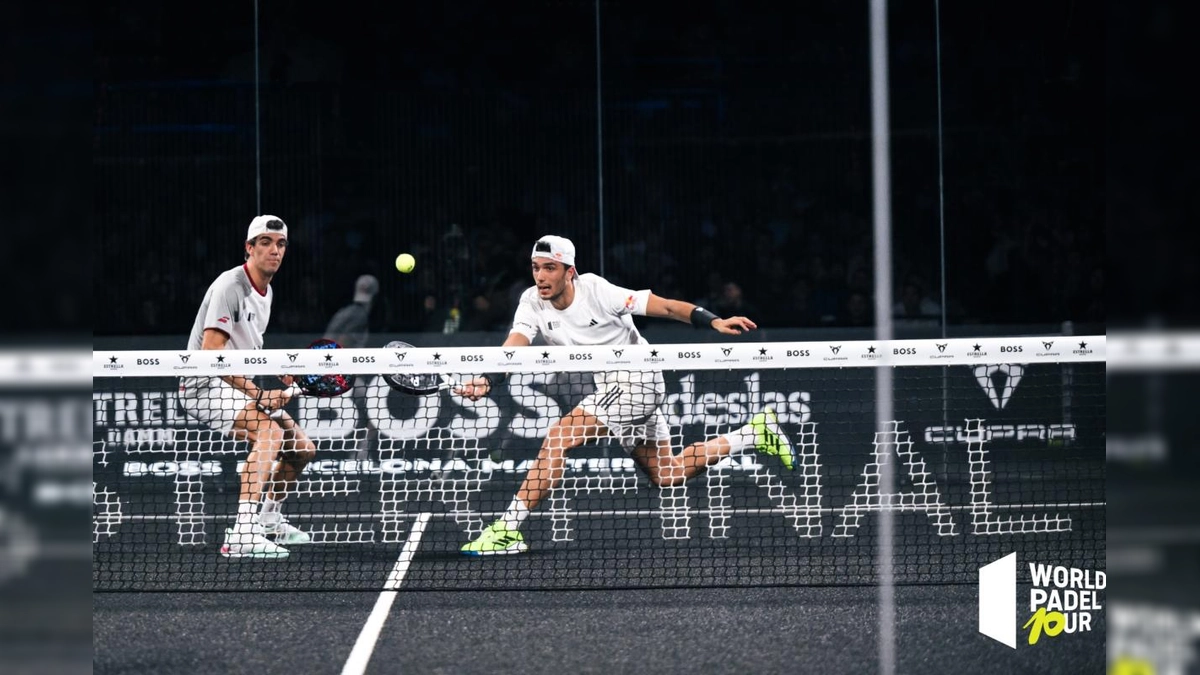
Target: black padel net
x=739, y=464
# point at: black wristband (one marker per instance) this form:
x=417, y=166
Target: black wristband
x=702, y=318
x=494, y=379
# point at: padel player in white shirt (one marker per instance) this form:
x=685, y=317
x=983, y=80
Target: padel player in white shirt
x=565, y=308
x=234, y=315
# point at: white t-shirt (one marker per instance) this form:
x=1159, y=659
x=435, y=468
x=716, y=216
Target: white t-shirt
x=235, y=307
x=600, y=314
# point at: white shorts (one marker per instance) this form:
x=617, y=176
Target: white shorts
x=629, y=405
x=214, y=403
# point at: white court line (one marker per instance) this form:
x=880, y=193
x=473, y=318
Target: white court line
x=356, y=664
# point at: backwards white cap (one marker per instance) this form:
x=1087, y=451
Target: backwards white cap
x=264, y=224
x=555, y=248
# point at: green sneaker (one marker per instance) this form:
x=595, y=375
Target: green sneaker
x=769, y=439
x=496, y=540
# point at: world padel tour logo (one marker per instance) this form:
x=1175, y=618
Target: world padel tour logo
x=1061, y=600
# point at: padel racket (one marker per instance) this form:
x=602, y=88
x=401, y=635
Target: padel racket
x=322, y=386
x=416, y=384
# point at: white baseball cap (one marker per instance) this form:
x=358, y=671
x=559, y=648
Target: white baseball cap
x=265, y=224
x=555, y=248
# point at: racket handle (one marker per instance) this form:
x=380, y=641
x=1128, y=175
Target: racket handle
x=292, y=391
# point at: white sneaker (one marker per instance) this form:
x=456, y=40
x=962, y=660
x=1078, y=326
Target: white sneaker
x=285, y=533
x=243, y=541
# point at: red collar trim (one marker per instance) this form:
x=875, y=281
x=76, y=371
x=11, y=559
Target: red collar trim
x=261, y=291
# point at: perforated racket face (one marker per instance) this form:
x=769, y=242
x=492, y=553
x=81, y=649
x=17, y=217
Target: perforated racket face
x=415, y=384
x=410, y=383
x=325, y=385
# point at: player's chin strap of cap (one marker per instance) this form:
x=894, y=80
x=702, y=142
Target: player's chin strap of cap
x=702, y=318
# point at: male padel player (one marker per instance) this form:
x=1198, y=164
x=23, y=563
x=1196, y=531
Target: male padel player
x=234, y=315
x=567, y=308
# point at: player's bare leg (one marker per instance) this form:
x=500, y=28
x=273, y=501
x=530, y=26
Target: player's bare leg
x=667, y=469
x=247, y=538
x=572, y=431
x=266, y=440
x=296, y=453
x=762, y=433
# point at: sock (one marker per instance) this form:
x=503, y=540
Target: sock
x=246, y=511
x=741, y=439
x=515, y=515
x=269, y=515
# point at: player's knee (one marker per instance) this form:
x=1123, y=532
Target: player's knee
x=302, y=450
x=561, y=438
x=263, y=429
x=552, y=450
x=665, y=479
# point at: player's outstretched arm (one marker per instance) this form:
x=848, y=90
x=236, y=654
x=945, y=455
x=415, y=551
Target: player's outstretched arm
x=697, y=316
x=478, y=387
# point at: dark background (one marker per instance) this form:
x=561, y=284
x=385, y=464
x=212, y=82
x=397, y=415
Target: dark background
x=54, y=88
x=736, y=157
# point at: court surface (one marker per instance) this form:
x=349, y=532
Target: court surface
x=755, y=604
x=772, y=629
x=754, y=630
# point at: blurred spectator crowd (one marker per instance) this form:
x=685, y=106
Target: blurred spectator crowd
x=736, y=165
